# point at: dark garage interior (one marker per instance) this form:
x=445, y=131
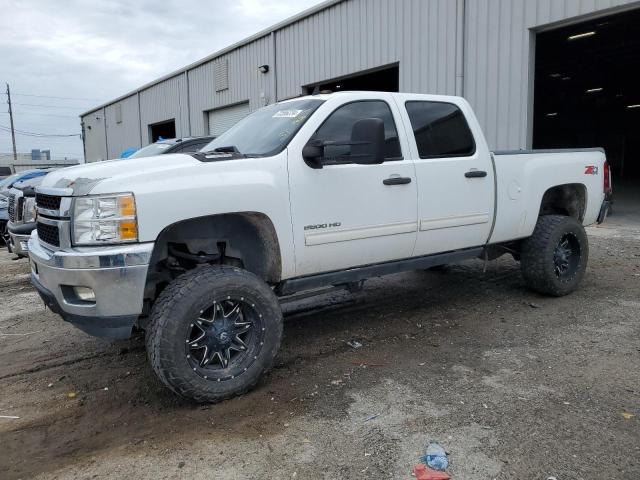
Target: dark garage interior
x=162, y=130
x=386, y=79
x=587, y=90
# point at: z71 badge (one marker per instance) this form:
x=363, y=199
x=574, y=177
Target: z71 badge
x=591, y=170
x=322, y=225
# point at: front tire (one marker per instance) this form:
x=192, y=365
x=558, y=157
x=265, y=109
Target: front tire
x=554, y=258
x=213, y=332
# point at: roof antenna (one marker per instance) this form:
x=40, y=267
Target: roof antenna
x=316, y=90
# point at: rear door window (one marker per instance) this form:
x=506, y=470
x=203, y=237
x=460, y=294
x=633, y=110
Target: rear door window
x=441, y=130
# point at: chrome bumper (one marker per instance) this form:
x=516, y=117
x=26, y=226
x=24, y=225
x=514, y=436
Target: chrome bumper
x=117, y=276
x=18, y=244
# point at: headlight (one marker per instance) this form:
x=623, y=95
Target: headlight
x=29, y=210
x=4, y=201
x=104, y=219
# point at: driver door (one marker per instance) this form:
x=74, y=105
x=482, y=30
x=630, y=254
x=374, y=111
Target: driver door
x=344, y=214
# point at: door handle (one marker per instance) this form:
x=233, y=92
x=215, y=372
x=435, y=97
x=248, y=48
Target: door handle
x=475, y=174
x=397, y=181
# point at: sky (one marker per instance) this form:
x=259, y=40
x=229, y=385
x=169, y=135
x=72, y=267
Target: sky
x=62, y=58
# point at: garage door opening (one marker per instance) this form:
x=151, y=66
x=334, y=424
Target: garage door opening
x=587, y=91
x=162, y=130
x=222, y=119
x=386, y=79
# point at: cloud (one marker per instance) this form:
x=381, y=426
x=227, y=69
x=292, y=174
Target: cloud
x=101, y=50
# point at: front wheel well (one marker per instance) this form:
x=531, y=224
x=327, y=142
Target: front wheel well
x=246, y=240
x=569, y=200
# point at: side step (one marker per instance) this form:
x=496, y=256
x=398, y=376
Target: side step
x=357, y=274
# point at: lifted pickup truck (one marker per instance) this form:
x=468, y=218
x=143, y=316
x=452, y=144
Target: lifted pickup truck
x=319, y=191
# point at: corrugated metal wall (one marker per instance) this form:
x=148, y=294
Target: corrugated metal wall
x=95, y=143
x=497, y=59
x=246, y=83
x=352, y=36
x=165, y=101
x=125, y=134
x=364, y=34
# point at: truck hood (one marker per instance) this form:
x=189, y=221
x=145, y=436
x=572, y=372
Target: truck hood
x=82, y=179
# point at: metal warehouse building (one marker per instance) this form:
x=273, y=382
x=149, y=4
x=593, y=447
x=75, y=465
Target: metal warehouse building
x=539, y=73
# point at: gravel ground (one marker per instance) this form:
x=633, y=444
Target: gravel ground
x=514, y=385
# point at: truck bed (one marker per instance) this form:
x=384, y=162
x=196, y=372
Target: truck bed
x=523, y=177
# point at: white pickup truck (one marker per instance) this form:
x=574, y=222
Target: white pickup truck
x=318, y=191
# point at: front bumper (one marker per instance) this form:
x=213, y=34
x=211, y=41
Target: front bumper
x=17, y=237
x=117, y=276
x=18, y=244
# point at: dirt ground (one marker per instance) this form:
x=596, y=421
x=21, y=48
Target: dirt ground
x=513, y=384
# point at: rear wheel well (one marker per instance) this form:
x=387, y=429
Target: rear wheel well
x=247, y=240
x=569, y=200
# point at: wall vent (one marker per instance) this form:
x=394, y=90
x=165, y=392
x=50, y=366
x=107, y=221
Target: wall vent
x=221, y=74
x=119, y=113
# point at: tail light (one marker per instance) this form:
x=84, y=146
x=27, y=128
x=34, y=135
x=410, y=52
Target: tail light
x=607, y=178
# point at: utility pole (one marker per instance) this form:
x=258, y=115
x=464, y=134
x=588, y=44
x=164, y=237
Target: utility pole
x=13, y=133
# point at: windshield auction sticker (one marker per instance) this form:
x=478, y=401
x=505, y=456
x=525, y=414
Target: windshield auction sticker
x=287, y=113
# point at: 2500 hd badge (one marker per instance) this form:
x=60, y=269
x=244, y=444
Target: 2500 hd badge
x=322, y=225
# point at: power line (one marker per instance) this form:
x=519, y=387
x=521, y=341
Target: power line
x=47, y=114
x=49, y=106
x=60, y=98
x=34, y=134
x=26, y=131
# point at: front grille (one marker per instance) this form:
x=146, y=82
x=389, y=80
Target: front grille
x=48, y=202
x=11, y=209
x=49, y=234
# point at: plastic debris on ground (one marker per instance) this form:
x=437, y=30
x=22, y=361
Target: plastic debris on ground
x=422, y=472
x=435, y=457
x=372, y=417
x=354, y=344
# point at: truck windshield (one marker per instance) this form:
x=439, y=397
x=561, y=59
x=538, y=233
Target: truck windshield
x=266, y=131
x=151, y=150
x=9, y=180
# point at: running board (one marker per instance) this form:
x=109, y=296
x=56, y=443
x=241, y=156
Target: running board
x=357, y=274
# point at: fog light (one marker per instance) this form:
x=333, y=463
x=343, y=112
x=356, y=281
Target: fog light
x=85, y=294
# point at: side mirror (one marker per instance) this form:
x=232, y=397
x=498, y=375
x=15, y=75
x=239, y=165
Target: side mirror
x=312, y=153
x=367, y=145
x=367, y=141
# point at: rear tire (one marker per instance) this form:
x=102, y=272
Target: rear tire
x=554, y=258
x=213, y=332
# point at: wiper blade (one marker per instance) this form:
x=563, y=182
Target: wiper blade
x=228, y=149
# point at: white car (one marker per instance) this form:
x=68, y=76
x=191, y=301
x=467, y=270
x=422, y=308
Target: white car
x=323, y=190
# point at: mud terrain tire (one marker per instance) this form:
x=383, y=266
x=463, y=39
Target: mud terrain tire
x=208, y=317
x=554, y=258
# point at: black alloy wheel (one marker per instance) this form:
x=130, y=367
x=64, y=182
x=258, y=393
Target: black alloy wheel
x=566, y=256
x=224, y=339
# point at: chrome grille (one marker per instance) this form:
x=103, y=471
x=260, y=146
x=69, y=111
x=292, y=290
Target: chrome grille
x=53, y=222
x=48, y=202
x=49, y=234
x=11, y=209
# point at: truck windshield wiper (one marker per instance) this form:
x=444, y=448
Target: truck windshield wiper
x=228, y=149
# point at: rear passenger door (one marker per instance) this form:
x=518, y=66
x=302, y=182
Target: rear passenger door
x=454, y=173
